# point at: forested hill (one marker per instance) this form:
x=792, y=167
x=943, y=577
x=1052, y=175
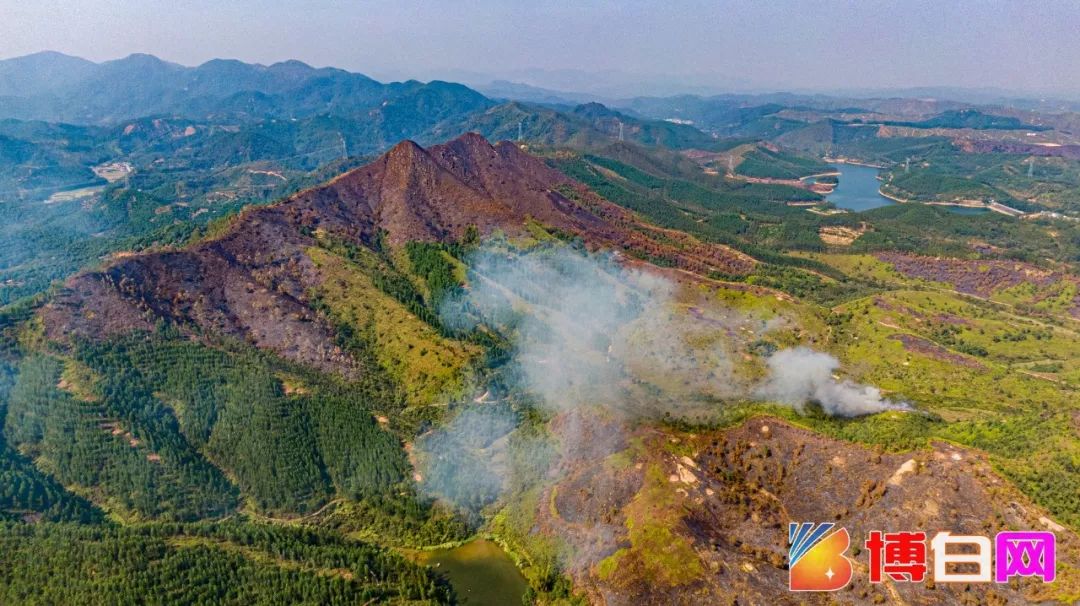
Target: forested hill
x=57, y=88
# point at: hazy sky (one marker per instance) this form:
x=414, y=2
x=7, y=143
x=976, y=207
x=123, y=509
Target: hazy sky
x=772, y=44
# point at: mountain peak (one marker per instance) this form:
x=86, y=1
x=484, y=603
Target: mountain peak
x=291, y=66
x=42, y=72
x=596, y=110
x=214, y=63
x=141, y=58
x=470, y=142
x=293, y=63
x=139, y=61
x=410, y=194
x=461, y=156
x=405, y=146
x=49, y=55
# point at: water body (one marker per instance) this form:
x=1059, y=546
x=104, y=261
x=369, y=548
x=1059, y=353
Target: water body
x=858, y=189
x=480, y=572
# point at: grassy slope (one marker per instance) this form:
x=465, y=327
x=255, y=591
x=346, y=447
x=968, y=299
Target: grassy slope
x=999, y=380
x=429, y=367
x=762, y=162
x=656, y=552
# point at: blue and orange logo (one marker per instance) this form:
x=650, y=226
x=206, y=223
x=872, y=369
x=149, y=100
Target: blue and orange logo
x=816, y=560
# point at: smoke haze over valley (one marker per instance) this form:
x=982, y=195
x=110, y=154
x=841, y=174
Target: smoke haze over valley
x=588, y=337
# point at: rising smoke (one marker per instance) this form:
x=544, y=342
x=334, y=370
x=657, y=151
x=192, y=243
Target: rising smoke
x=801, y=375
x=566, y=313
x=590, y=334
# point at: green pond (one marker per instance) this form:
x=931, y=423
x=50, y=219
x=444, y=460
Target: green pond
x=480, y=572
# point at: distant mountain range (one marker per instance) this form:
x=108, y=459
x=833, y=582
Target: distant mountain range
x=54, y=87
x=369, y=115
x=601, y=84
x=58, y=88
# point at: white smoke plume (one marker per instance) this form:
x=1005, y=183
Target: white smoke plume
x=598, y=345
x=464, y=460
x=801, y=375
x=566, y=311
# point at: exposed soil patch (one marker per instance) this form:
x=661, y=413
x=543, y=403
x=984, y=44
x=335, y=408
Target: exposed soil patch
x=975, y=277
x=750, y=481
x=981, y=277
x=955, y=320
x=839, y=235
x=933, y=350
x=903, y=310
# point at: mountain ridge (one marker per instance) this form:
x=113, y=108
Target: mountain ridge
x=252, y=282
x=59, y=88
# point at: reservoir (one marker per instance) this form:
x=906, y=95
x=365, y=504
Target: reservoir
x=480, y=572
x=858, y=189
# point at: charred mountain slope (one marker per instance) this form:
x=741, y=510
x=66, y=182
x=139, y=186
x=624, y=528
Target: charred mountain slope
x=710, y=526
x=252, y=283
